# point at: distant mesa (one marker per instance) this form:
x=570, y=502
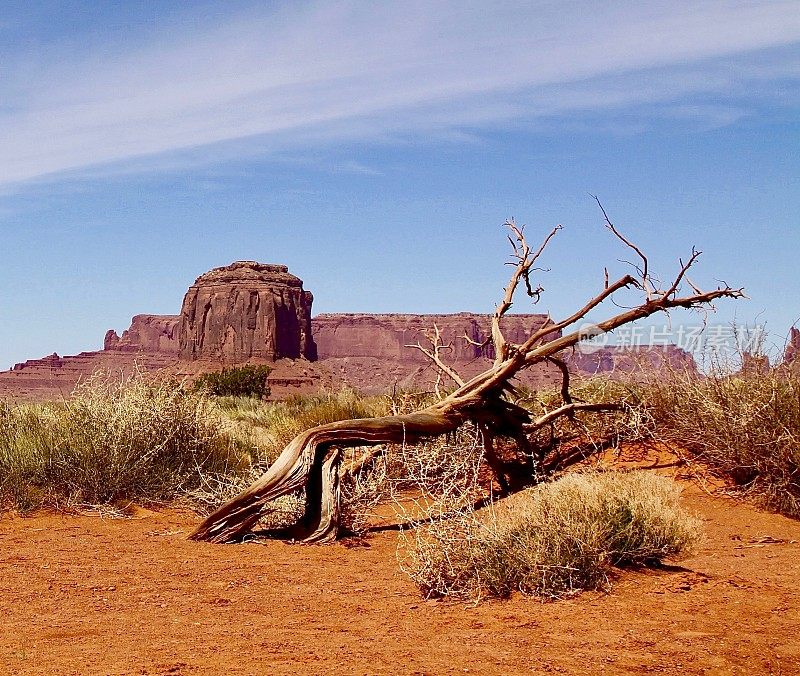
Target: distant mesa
x=250, y=312
x=628, y=359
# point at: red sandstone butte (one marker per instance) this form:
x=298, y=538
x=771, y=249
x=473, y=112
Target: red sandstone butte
x=246, y=310
x=243, y=312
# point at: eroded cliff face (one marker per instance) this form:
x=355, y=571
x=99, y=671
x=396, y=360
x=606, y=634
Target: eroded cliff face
x=147, y=333
x=370, y=351
x=244, y=311
x=386, y=336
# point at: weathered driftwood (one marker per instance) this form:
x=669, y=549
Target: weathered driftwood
x=312, y=460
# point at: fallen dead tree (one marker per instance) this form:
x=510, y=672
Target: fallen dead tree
x=312, y=461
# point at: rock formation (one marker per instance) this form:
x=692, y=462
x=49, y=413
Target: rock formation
x=147, y=333
x=386, y=336
x=792, y=351
x=370, y=351
x=244, y=311
x=53, y=378
x=251, y=311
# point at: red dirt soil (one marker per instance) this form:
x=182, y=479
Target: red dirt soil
x=91, y=595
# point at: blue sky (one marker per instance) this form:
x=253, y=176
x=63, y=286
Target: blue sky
x=377, y=148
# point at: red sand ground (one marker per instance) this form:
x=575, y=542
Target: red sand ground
x=91, y=595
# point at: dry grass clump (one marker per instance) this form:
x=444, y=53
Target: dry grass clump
x=116, y=439
x=552, y=540
x=281, y=421
x=746, y=426
x=275, y=424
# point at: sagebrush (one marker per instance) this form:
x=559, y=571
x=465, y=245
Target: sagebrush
x=551, y=540
x=745, y=426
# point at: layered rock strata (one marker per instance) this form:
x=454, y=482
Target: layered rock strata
x=372, y=351
x=387, y=336
x=147, y=333
x=245, y=311
x=259, y=313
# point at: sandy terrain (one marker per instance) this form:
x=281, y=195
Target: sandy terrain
x=91, y=595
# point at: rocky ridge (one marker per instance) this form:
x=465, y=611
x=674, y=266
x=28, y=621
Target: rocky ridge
x=147, y=333
x=250, y=312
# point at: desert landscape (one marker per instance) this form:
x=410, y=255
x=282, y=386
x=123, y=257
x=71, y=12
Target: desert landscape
x=125, y=596
x=423, y=338
x=104, y=576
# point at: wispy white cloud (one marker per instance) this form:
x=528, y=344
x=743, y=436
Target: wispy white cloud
x=326, y=71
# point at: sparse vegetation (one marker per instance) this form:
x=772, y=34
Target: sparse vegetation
x=150, y=441
x=116, y=440
x=745, y=426
x=236, y=381
x=552, y=540
x=280, y=421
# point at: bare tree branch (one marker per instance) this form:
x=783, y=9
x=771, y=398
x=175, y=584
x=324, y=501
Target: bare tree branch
x=623, y=282
x=370, y=454
x=568, y=409
x=433, y=354
x=524, y=260
x=645, y=275
x=562, y=365
x=481, y=344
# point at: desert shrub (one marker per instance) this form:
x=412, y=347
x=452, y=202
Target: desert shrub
x=552, y=540
x=236, y=381
x=116, y=439
x=745, y=426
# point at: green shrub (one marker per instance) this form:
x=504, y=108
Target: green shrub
x=556, y=539
x=236, y=381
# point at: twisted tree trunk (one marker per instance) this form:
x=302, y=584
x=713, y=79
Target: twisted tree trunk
x=312, y=461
